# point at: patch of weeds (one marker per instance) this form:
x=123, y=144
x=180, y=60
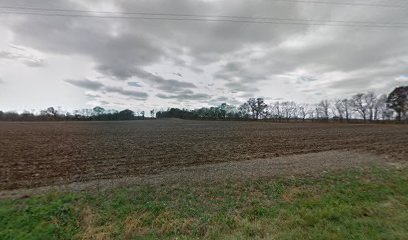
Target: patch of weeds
x=53, y=216
x=359, y=204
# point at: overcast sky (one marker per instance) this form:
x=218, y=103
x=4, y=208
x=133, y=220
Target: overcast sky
x=76, y=62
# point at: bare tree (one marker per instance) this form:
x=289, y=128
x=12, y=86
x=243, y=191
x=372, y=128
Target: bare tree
x=359, y=105
x=380, y=108
x=341, y=109
x=317, y=111
x=346, y=106
x=304, y=111
x=324, y=107
x=370, y=100
x=252, y=105
x=295, y=110
x=338, y=109
x=276, y=110
x=285, y=110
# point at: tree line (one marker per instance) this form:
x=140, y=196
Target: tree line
x=359, y=107
x=95, y=114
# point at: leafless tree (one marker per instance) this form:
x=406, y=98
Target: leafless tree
x=380, y=108
x=370, y=100
x=324, y=106
x=271, y=111
x=346, y=106
x=295, y=111
x=304, y=111
x=288, y=110
x=338, y=109
x=359, y=105
x=317, y=111
x=277, y=110
x=252, y=105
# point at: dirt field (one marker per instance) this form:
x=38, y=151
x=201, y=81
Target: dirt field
x=48, y=153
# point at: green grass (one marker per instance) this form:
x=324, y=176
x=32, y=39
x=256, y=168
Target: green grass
x=369, y=204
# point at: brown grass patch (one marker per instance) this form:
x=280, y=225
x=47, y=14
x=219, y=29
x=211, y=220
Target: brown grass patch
x=90, y=230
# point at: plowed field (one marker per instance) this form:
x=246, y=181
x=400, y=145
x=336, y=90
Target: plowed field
x=48, y=153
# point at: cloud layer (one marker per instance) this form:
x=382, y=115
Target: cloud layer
x=166, y=62
x=97, y=86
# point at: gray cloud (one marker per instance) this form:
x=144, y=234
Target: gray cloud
x=166, y=85
x=129, y=93
x=114, y=54
x=134, y=84
x=246, y=95
x=93, y=95
x=177, y=74
x=97, y=86
x=242, y=76
x=26, y=59
x=219, y=100
x=241, y=58
x=186, y=96
x=86, y=83
x=121, y=53
x=306, y=79
x=160, y=83
x=242, y=86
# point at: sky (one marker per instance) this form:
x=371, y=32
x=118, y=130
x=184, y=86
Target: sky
x=303, y=51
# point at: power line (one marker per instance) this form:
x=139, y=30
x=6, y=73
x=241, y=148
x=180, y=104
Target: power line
x=206, y=18
x=284, y=1
x=356, y=4
x=298, y=22
x=36, y=9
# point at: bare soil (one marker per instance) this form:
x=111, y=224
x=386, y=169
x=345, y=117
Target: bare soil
x=54, y=153
x=310, y=164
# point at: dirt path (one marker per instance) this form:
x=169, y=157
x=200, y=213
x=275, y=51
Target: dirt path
x=294, y=165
